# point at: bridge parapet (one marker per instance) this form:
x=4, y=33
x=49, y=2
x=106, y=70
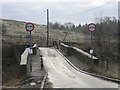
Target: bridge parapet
x=23, y=62
x=80, y=54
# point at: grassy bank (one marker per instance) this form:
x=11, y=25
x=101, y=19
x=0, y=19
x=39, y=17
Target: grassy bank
x=10, y=68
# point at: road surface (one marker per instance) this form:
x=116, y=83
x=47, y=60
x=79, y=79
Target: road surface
x=63, y=75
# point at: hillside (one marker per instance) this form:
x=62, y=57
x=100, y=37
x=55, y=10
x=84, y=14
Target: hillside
x=17, y=28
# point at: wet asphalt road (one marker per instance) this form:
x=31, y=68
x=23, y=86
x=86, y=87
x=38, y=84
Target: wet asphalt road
x=63, y=75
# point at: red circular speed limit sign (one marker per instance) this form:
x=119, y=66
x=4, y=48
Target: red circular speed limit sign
x=91, y=27
x=29, y=26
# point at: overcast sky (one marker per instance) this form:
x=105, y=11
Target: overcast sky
x=75, y=11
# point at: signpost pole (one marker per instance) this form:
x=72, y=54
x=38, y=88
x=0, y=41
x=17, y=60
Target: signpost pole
x=30, y=52
x=91, y=49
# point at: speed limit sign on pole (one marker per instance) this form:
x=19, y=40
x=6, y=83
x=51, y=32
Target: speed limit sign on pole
x=91, y=27
x=29, y=27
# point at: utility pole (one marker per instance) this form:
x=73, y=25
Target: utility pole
x=47, y=27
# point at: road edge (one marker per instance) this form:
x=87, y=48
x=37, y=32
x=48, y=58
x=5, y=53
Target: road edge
x=92, y=74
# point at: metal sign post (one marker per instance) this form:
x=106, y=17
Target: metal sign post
x=30, y=52
x=91, y=48
x=30, y=27
x=91, y=28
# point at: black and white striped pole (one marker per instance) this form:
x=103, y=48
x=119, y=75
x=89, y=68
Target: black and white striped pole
x=41, y=62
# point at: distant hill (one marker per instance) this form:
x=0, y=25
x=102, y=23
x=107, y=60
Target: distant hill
x=17, y=28
x=14, y=27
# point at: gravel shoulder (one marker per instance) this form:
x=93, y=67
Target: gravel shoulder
x=34, y=78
